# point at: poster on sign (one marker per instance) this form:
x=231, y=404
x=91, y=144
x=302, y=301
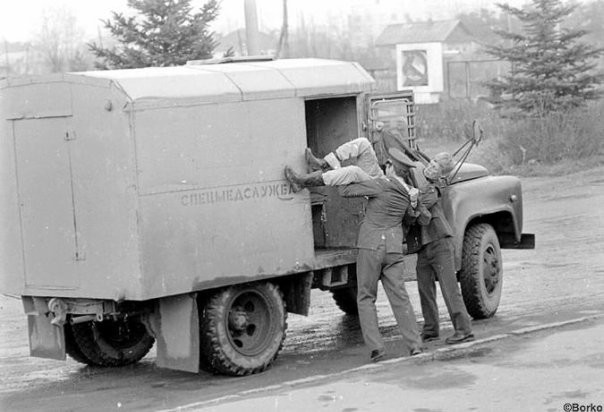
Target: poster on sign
x=415, y=68
x=420, y=68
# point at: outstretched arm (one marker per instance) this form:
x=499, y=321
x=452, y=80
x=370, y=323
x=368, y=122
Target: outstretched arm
x=368, y=188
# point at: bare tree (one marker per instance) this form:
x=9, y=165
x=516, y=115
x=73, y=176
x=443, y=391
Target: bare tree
x=60, y=40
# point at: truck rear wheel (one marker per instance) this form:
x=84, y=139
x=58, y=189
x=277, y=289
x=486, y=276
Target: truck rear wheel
x=346, y=299
x=481, y=274
x=242, y=329
x=108, y=343
x=72, y=348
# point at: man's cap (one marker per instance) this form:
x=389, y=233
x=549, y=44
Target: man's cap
x=441, y=165
x=399, y=157
x=445, y=161
x=433, y=171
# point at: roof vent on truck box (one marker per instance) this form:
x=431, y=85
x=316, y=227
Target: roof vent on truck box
x=232, y=59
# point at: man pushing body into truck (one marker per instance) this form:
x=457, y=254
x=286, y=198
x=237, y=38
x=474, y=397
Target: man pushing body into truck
x=380, y=257
x=380, y=239
x=435, y=254
x=381, y=234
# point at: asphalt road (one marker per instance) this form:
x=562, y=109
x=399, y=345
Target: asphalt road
x=553, y=367
x=560, y=280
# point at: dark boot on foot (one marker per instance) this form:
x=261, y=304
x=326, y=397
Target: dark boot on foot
x=293, y=179
x=314, y=163
x=299, y=182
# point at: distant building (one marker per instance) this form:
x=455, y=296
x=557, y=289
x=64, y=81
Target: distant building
x=418, y=53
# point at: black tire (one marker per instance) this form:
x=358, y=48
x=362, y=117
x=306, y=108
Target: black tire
x=481, y=275
x=346, y=299
x=109, y=343
x=242, y=329
x=72, y=349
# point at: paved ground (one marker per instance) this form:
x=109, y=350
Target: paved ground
x=558, y=369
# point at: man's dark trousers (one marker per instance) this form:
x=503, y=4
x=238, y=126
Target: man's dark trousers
x=436, y=261
x=375, y=265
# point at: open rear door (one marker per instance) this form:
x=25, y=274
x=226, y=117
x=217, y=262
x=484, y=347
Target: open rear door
x=391, y=119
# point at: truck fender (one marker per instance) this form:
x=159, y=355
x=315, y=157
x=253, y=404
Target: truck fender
x=499, y=203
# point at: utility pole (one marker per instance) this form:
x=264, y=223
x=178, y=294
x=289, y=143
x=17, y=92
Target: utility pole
x=251, y=27
x=283, y=47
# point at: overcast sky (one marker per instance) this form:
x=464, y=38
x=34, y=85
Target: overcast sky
x=19, y=19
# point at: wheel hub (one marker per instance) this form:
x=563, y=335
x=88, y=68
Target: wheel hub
x=491, y=270
x=238, y=320
x=249, y=323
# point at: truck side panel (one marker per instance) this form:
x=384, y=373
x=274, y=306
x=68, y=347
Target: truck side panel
x=215, y=207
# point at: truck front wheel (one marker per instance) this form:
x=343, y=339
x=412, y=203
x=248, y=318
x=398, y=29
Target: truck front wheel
x=108, y=343
x=242, y=329
x=481, y=275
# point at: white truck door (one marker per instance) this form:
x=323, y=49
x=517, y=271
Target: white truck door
x=44, y=185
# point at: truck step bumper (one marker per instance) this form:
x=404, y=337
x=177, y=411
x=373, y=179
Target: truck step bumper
x=508, y=241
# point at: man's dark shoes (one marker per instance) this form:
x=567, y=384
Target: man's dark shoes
x=314, y=163
x=415, y=352
x=377, y=355
x=293, y=179
x=459, y=338
x=427, y=337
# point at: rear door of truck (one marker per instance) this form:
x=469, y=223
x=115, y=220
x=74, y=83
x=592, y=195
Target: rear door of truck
x=46, y=200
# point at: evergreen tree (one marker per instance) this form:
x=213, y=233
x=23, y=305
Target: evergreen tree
x=551, y=69
x=164, y=33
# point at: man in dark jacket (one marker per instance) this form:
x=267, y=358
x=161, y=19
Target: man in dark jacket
x=380, y=257
x=436, y=258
